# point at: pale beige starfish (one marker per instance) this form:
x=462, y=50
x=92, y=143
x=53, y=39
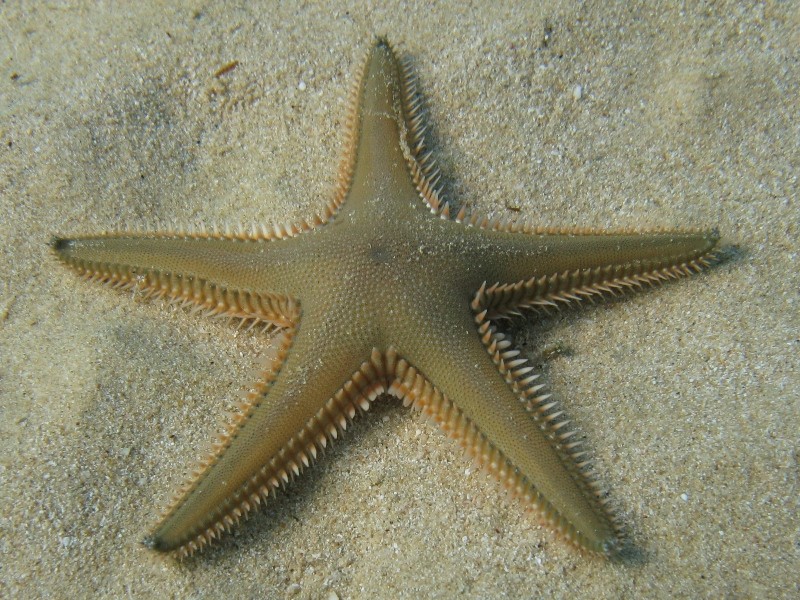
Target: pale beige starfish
x=387, y=293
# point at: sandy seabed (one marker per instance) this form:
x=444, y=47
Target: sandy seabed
x=589, y=114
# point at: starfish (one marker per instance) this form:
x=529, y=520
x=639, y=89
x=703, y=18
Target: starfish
x=385, y=292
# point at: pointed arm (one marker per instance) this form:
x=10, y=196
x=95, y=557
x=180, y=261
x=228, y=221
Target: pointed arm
x=220, y=276
x=564, y=266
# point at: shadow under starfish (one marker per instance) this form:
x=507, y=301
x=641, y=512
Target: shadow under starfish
x=386, y=292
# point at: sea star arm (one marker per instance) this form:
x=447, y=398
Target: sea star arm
x=303, y=401
x=213, y=275
x=474, y=386
x=553, y=269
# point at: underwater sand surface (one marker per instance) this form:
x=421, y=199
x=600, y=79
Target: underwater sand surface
x=570, y=114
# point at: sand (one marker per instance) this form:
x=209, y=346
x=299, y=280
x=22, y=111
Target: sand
x=570, y=114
